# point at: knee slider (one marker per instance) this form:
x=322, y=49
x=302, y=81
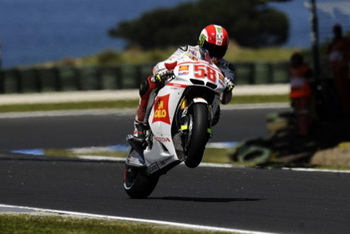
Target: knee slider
x=144, y=86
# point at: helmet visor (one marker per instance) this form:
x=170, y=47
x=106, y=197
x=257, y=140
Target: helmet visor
x=215, y=50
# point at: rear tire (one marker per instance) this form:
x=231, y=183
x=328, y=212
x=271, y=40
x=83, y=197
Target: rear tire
x=199, y=135
x=137, y=184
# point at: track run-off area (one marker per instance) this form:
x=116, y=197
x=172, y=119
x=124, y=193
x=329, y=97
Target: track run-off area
x=210, y=197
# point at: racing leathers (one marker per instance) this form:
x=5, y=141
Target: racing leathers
x=161, y=72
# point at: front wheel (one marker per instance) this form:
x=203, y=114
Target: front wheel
x=137, y=183
x=198, y=136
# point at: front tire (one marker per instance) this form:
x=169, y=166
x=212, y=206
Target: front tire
x=198, y=135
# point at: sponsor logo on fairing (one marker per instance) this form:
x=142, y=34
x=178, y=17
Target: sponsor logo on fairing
x=162, y=139
x=161, y=109
x=162, y=163
x=152, y=168
x=184, y=68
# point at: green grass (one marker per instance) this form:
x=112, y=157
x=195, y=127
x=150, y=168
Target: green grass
x=214, y=155
x=211, y=155
x=136, y=55
x=71, y=154
x=68, y=106
x=34, y=224
x=254, y=99
x=123, y=104
x=237, y=54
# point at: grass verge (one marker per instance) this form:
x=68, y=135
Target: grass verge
x=24, y=223
x=68, y=106
x=211, y=155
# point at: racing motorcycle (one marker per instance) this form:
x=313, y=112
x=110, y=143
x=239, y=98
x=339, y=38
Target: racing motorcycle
x=182, y=114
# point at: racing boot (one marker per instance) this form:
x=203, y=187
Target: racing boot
x=135, y=157
x=140, y=132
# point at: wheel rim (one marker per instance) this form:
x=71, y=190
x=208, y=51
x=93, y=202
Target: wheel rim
x=129, y=176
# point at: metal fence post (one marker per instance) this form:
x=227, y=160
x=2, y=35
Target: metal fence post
x=2, y=81
x=99, y=85
x=19, y=80
x=252, y=73
x=38, y=83
x=315, y=39
x=138, y=75
x=118, y=77
x=270, y=73
x=57, y=77
x=78, y=80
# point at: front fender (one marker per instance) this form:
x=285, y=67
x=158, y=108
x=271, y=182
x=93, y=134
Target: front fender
x=199, y=100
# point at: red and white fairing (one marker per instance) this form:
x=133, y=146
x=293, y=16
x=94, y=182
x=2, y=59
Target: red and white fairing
x=188, y=73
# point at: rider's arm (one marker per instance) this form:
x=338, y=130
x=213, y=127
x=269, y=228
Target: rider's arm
x=226, y=98
x=228, y=70
x=170, y=63
x=163, y=71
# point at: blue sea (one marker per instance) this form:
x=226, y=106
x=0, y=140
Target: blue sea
x=36, y=31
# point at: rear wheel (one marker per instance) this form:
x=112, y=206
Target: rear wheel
x=137, y=183
x=198, y=135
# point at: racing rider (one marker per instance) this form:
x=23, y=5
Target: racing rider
x=212, y=45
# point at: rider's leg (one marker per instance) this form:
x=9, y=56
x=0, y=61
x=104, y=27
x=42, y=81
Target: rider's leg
x=140, y=123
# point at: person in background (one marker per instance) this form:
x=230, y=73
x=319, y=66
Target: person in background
x=301, y=77
x=339, y=56
x=213, y=42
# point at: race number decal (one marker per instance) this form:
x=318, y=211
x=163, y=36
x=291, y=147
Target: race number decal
x=202, y=71
x=161, y=109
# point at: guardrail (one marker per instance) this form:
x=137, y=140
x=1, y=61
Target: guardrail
x=69, y=78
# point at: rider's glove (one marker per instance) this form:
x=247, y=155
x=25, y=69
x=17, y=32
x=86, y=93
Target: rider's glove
x=161, y=75
x=229, y=85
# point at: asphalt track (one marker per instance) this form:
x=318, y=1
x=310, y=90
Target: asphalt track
x=108, y=127
x=279, y=201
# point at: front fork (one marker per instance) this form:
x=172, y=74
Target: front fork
x=186, y=120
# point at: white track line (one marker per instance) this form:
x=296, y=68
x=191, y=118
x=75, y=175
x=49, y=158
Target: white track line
x=120, y=218
x=297, y=169
x=315, y=170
